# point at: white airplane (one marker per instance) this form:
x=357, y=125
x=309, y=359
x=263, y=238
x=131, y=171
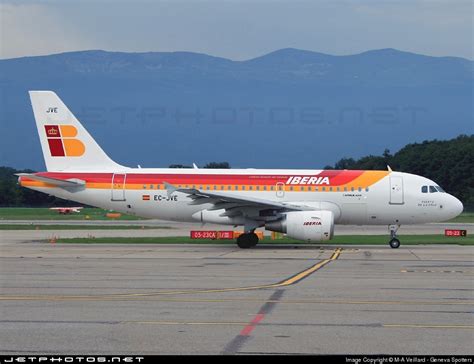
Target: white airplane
x=303, y=204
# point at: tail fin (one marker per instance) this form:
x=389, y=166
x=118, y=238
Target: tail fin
x=66, y=144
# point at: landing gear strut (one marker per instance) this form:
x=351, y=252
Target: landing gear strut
x=394, y=242
x=247, y=240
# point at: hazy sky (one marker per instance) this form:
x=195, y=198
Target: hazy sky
x=237, y=29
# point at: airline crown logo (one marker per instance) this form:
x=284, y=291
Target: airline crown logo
x=62, y=141
x=52, y=132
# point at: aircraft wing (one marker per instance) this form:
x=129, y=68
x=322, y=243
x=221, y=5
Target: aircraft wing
x=233, y=204
x=54, y=181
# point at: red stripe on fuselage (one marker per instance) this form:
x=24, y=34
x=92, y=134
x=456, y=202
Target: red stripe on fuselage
x=335, y=178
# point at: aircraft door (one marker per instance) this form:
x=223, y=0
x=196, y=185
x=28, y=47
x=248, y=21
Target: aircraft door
x=118, y=186
x=396, y=190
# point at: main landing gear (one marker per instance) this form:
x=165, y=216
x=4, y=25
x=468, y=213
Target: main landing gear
x=394, y=242
x=247, y=240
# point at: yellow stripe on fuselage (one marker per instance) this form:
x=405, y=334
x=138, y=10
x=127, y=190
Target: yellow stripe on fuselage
x=365, y=180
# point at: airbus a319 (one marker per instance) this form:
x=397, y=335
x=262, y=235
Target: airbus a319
x=303, y=204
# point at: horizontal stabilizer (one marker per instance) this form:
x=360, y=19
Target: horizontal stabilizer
x=54, y=181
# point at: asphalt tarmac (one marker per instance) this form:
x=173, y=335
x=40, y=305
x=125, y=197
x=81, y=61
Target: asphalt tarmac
x=218, y=299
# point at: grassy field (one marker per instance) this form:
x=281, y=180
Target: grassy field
x=338, y=240
x=464, y=218
x=26, y=213
x=77, y=227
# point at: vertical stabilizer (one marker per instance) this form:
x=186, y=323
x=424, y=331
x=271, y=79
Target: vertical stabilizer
x=66, y=144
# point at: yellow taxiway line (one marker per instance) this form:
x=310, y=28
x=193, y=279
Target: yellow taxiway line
x=289, y=281
x=236, y=323
x=427, y=326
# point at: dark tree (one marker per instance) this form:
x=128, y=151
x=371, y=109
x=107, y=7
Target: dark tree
x=179, y=166
x=450, y=163
x=218, y=165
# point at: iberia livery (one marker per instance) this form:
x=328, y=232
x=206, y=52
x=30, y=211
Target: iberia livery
x=304, y=204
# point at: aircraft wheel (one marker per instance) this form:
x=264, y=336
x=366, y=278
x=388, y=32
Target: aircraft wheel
x=394, y=243
x=248, y=240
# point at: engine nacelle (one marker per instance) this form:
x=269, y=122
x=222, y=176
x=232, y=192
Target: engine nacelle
x=305, y=225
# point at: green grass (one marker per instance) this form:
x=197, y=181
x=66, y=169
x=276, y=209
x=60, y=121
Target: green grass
x=77, y=227
x=464, y=218
x=338, y=240
x=38, y=213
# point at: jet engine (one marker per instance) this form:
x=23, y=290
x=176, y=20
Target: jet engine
x=305, y=225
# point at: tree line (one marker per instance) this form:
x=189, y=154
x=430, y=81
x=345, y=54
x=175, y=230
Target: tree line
x=450, y=163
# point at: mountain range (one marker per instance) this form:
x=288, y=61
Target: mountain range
x=286, y=109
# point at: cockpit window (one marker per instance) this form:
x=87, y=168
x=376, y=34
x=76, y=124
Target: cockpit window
x=424, y=189
x=440, y=189
x=433, y=189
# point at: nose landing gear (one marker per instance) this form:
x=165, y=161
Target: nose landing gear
x=394, y=242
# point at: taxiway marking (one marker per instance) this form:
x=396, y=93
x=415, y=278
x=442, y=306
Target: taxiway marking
x=289, y=281
x=427, y=326
x=259, y=318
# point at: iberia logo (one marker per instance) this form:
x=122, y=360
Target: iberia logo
x=62, y=141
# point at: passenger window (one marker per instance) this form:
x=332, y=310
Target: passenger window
x=433, y=189
x=424, y=189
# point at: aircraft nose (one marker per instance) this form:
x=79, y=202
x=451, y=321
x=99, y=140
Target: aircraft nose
x=455, y=206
